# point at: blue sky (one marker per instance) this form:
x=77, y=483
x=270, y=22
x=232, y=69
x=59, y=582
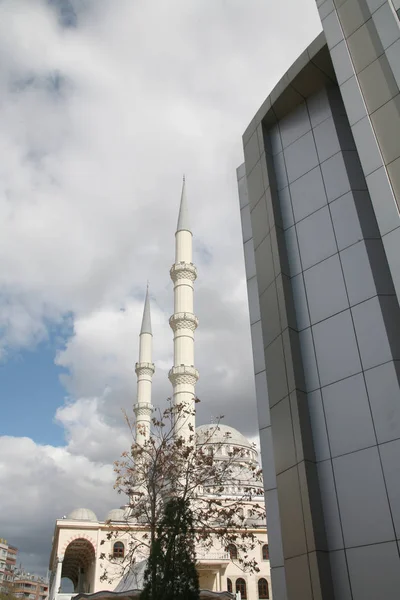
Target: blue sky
x=32, y=392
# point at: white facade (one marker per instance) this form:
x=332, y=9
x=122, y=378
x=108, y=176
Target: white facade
x=78, y=545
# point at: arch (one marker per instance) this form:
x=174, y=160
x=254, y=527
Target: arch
x=229, y=585
x=79, y=555
x=241, y=587
x=263, y=588
x=265, y=552
x=118, y=550
x=232, y=550
x=82, y=536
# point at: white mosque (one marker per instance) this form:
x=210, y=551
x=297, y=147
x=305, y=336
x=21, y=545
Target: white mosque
x=81, y=538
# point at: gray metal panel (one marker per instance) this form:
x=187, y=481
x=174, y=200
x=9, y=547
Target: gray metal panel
x=374, y=571
x=390, y=456
x=318, y=426
x=326, y=291
x=300, y=157
x=370, y=325
x=326, y=139
x=369, y=152
x=386, y=121
x=267, y=458
x=316, y=238
x=300, y=302
x=294, y=125
x=330, y=506
x=308, y=193
x=298, y=578
x=363, y=503
x=357, y=271
x=336, y=348
x=384, y=395
x=353, y=99
x=283, y=437
x=340, y=577
x=290, y=505
x=273, y=523
x=254, y=303
x=335, y=177
x=348, y=416
x=386, y=211
x=378, y=84
x=257, y=342
x=309, y=360
x=264, y=419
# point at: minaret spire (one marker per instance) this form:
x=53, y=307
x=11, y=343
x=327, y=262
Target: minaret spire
x=183, y=322
x=144, y=371
x=146, y=320
x=183, y=218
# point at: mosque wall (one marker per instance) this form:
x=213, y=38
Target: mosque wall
x=215, y=566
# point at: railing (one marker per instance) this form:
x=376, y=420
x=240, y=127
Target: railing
x=212, y=556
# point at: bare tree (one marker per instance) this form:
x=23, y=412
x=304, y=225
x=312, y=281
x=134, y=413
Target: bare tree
x=222, y=482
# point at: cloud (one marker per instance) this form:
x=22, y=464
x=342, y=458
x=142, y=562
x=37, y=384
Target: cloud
x=37, y=484
x=104, y=105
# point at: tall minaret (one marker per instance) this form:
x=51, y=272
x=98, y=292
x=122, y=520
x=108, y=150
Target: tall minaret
x=183, y=322
x=144, y=371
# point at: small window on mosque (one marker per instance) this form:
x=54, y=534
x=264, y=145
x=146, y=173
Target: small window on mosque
x=229, y=585
x=118, y=550
x=241, y=587
x=263, y=589
x=233, y=553
x=265, y=552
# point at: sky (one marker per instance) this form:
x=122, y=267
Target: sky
x=104, y=104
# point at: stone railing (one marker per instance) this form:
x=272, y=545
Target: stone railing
x=212, y=556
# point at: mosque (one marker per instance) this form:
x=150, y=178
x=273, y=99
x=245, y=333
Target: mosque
x=81, y=538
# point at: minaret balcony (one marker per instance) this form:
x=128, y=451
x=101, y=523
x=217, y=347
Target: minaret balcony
x=183, y=270
x=144, y=368
x=183, y=320
x=183, y=375
x=143, y=409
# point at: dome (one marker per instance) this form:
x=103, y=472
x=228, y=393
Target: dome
x=224, y=438
x=116, y=514
x=222, y=434
x=82, y=514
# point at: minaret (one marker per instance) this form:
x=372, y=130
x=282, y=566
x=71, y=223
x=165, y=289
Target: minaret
x=144, y=371
x=183, y=322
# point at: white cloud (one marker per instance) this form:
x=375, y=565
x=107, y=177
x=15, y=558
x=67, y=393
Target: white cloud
x=97, y=124
x=37, y=484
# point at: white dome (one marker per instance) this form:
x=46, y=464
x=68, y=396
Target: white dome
x=116, y=514
x=224, y=438
x=82, y=514
x=221, y=434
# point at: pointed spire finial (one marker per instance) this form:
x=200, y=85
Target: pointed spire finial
x=146, y=321
x=183, y=219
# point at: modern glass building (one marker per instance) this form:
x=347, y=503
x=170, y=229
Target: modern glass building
x=319, y=198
